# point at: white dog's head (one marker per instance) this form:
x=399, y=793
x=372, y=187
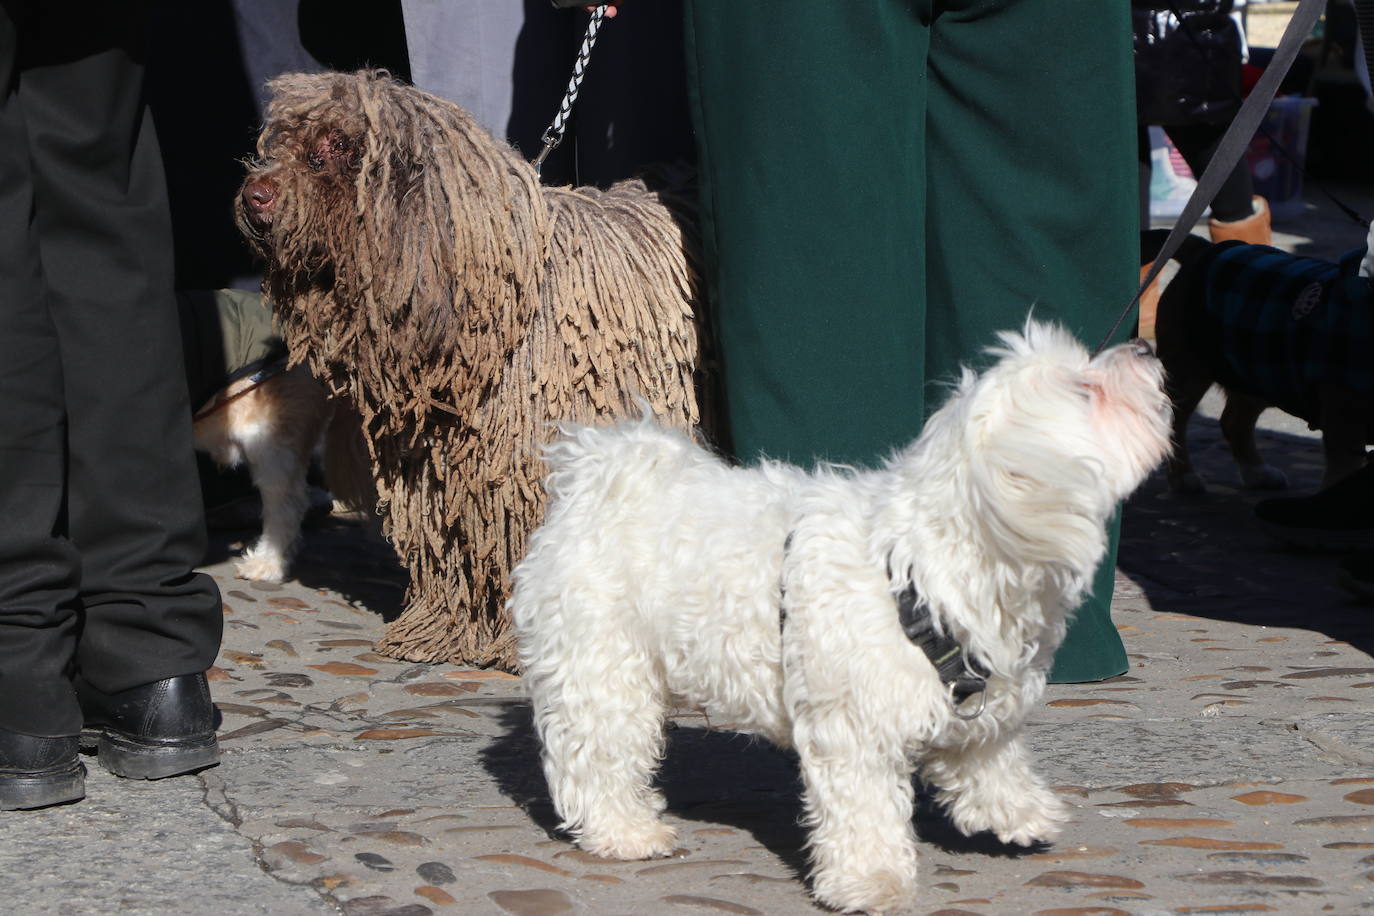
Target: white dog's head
x=1038, y=449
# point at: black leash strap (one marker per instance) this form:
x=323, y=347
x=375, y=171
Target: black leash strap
x=1232, y=146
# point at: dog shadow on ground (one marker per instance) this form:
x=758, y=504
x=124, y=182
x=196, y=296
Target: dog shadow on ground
x=717, y=778
x=1207, y=555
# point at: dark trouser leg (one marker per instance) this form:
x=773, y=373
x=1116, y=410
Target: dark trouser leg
x=39, y=570
x=105, y=243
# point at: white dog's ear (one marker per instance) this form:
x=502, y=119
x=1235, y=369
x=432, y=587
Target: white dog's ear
x=1090, y=383
x=1031, y=501
x=1026, y=525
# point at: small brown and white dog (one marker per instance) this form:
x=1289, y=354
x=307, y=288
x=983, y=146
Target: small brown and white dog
x=800, y=604
x=273, y=419
x=1273, y=330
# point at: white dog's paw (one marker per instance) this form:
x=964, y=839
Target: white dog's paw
x=1038, y=820
x=882, y=891
x=1029, y=817
x=651, y=841
x=261, y=566
x=1263, y=477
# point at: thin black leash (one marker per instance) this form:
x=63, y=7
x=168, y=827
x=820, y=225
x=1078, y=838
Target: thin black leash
x=1233, y=144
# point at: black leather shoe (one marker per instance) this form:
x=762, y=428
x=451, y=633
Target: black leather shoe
x=37, y=772
x=160, y=729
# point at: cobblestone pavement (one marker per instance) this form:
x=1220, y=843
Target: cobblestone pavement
x=1230, y=771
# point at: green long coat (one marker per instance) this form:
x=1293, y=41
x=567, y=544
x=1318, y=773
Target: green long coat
x=886, y=183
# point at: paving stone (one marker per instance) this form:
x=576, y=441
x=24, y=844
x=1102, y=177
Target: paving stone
x=1081, y=879
x=1269, y=798
x=709, y=903
x=374, y=861
x=435, y=873
x=381, y=905
x=436, y=895
x=533, y=902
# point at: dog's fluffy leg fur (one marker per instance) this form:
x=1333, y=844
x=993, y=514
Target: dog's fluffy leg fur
x=599, y=759
x=599, y=762
x=858, y=805
x=855, y=758
x=992, y=787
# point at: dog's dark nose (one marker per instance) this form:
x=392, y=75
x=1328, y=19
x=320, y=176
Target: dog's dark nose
x=260, y=194
x=1141, y=347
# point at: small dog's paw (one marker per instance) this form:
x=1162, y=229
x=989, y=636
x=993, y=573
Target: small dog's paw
x=1039, y=820
x=261, y=567
x=1263, y=477
x=1030, y=816
x=651, y=842
x=1031, y=833
x=882, y=891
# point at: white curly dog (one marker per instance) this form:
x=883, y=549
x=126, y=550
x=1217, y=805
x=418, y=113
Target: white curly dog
x=770, y=596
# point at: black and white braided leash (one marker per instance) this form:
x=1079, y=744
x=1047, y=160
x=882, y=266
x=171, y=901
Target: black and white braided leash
x=554, y=134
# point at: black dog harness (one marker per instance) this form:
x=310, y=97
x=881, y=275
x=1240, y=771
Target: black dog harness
x=952, y=662
x=962, y=672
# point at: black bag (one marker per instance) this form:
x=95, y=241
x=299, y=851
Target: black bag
x=1187, y=61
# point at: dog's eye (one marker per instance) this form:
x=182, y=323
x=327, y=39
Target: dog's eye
x=315, y=161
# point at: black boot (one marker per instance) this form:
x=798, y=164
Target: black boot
x=156, y=730
x=36, y=772
x=1341, y=517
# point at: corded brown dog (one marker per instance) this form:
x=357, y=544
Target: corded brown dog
x=419, y=268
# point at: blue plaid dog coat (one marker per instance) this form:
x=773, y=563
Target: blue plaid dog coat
x=1286, y=326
